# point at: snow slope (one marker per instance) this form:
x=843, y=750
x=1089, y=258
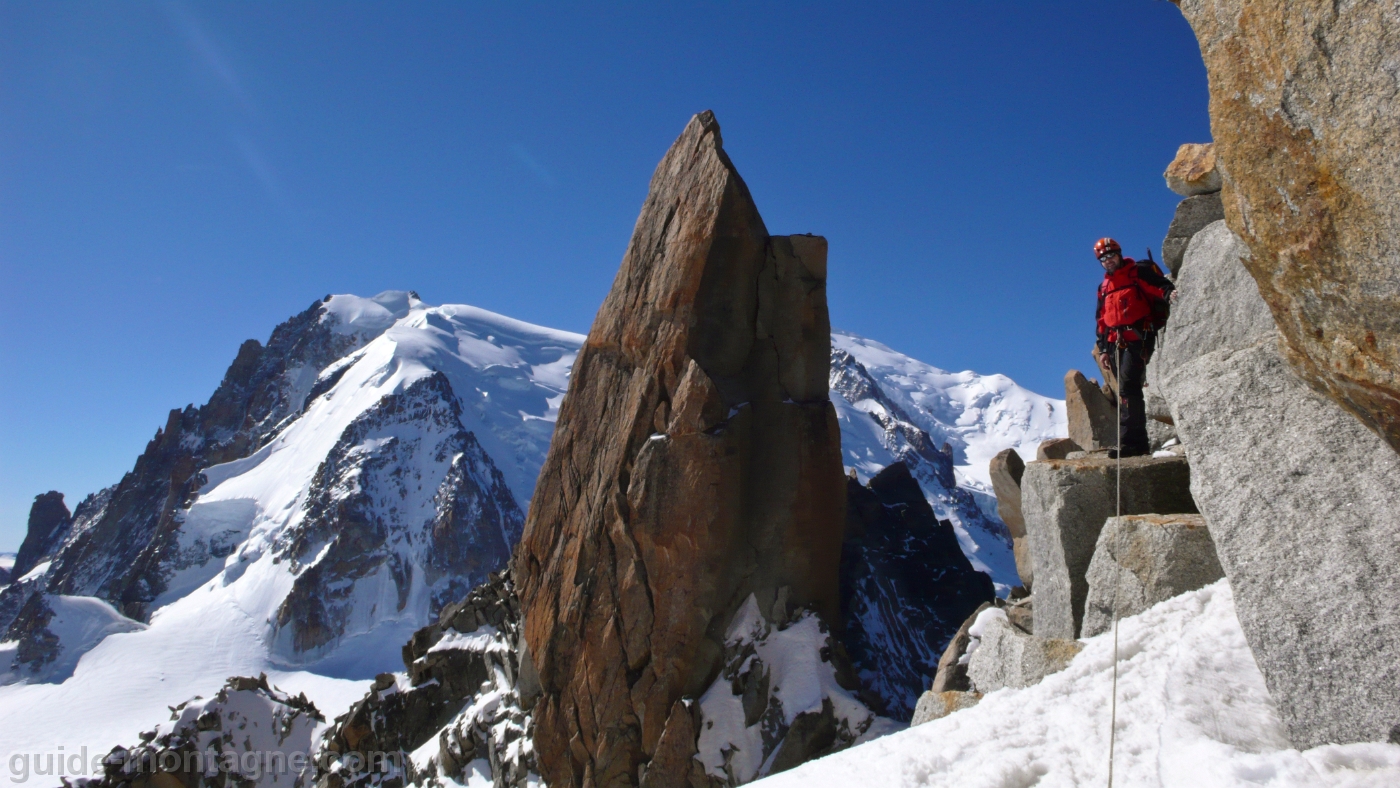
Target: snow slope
x=251, y=535
x=1192, y=711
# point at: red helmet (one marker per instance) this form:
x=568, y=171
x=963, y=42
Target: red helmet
x=1106, y=246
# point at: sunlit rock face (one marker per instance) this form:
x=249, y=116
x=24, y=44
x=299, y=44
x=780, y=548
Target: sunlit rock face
x=695, y=463
x=1303, y=105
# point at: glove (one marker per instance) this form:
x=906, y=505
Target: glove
x=1102, y=345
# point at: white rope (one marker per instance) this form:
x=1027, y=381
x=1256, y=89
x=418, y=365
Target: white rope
x=1117, y=552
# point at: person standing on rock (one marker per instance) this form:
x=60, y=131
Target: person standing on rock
x=1132, y=307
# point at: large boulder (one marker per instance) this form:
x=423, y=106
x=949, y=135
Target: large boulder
x=1092, y=415
x=1005, y=470
x=1143, y=559
x=1302, y=501
x=1004, y=656
x=1303, y=105
x=695, y=463
x=1193, y=172
x=1066, y=503
x=1192, y=215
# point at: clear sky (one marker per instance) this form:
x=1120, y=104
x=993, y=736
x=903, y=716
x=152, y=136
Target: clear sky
x=177, y=177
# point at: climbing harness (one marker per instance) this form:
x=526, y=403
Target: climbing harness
x=1117, y=582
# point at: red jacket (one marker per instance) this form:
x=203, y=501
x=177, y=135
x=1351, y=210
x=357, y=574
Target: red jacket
x=1124, y=302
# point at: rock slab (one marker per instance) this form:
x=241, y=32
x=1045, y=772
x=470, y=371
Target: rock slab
x=1144, y=559
x=1302, y=502
x=1005, y=470
x=1092, y=415
x=1066, y=503
x=1303, y=102
x=1192, y=216
x=695, y=461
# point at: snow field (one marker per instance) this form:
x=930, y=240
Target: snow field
x=1193, y=711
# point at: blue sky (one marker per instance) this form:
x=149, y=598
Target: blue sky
x=177, y=177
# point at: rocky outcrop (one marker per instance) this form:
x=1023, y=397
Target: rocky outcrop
x=1192, y=216
x=1193, y=171
x=1002, y=655
x=1005, y=470
x=248, y=734
x=1144, y=559
x=49, y=521
x=1066, y=503
x=1302, y=103
x=783, y=696
x=1092, y=415
x=1302, y=502
x=465, y=686
x=905, y=588
x=695, y=463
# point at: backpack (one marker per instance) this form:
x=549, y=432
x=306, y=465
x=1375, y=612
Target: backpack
x=1161, y=307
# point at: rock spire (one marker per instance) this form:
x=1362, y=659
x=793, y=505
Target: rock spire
x=696, y=461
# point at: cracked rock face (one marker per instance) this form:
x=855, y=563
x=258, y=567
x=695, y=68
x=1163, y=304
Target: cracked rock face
x=695, y=462
x=1303, y=100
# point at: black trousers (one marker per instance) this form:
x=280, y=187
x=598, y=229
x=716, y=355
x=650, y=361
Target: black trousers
x=1132, y=420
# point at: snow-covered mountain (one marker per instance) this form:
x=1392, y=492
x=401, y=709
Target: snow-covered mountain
x=946, y=426
x=379, y=470
x=365, y=468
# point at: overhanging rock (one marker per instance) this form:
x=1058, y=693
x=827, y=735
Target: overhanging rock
x=1066, y=502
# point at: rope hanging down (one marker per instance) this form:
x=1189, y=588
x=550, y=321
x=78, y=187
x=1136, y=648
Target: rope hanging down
x=1117, y=572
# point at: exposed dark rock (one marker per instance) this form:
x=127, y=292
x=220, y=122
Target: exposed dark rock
x=345, y=529
x=461, y=687
x=123, y=555
x=1066, y=503
x=249, y=733
x=49, y=520
x=695, y=462
x=905, y=588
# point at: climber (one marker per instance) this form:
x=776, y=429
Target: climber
x=1134, y=298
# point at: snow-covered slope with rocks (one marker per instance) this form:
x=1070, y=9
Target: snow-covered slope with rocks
x=392, y=482
x=1193, y=710
x=946, y=426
